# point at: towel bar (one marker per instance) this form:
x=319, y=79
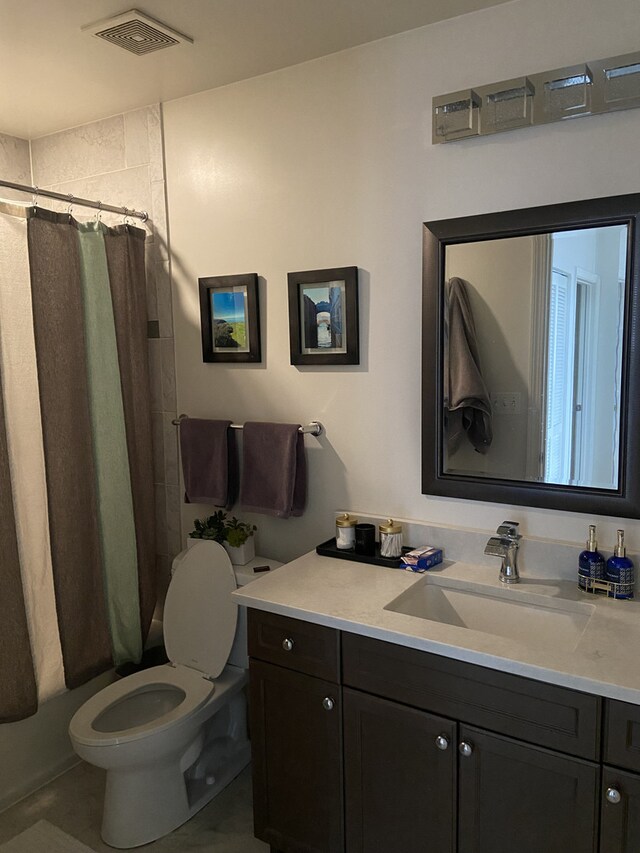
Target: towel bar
x=314, y=428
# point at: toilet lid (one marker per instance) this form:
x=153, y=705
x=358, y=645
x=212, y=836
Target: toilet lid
x=200, y=615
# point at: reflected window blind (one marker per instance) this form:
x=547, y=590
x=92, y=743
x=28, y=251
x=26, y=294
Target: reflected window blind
x=557, y=379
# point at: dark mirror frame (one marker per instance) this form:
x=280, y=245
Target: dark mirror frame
x=625, y=500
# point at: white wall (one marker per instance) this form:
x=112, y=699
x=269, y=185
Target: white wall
x=329, y=164
x=15, y=163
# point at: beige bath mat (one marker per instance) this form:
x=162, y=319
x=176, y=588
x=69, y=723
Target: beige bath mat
x=44, y=836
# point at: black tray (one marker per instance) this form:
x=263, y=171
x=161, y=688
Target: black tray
x=330, y=549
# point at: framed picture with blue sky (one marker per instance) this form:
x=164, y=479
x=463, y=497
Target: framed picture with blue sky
x=323, y=316
x=230, y=318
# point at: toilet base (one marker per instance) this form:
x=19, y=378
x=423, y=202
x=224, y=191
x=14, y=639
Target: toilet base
x=144, y=803
x=130, y=819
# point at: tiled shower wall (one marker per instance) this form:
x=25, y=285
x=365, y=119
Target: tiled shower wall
x=120, y=161
x=15, y=164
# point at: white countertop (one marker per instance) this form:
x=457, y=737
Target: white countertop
x=352, y=596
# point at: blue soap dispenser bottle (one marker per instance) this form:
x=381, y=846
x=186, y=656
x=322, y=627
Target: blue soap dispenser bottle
x=620, y=570
x=590, y=562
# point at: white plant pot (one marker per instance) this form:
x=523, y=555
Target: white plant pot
x=243, y=554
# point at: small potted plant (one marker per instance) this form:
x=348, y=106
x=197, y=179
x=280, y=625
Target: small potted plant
x=212, y=528
x=239, y=542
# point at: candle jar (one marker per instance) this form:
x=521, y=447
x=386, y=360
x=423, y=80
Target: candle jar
x=366, y=539
x=346, y=532
x=390, y=539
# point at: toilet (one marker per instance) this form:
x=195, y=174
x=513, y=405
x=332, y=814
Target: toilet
x=171, y=737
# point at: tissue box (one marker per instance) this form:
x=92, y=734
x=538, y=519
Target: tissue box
x=421, y=559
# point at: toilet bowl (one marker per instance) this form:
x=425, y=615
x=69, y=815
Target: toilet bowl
x=172, y=736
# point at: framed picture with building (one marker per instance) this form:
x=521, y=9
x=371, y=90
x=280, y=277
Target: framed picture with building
x=230, y=318
x=323, y=316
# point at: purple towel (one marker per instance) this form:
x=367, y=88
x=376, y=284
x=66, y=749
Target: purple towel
x=209, y=462
x=274, y=470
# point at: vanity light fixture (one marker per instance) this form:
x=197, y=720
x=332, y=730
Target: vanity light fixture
x=594, y=87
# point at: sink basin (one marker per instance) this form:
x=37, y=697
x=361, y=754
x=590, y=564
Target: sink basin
x=518, y=615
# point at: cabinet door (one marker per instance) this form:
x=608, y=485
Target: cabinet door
x=620, y=815
x=525, y=798
x=400, y=786
x=297, y=760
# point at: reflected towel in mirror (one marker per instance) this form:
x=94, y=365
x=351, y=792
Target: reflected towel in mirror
x=466, y=400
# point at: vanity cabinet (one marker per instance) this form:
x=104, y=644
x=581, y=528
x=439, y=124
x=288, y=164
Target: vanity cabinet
x=295, y=717
x=414, y=781
x=364, y=746
x=429, y=780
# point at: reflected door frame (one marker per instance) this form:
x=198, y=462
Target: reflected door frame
x=585, y=366
x=541, y=292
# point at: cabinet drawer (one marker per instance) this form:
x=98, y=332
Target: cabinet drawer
x=622, y=734
x=303, y=646
x=532, y=711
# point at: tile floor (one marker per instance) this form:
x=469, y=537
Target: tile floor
x=73, y=802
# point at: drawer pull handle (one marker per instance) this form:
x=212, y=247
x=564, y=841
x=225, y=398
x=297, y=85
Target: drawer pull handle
x=466, y=749
x=287, y=644
x=442, y=742
x=613, y=795
x=327, y=703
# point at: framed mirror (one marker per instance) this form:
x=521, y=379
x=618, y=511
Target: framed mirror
x=531, y=357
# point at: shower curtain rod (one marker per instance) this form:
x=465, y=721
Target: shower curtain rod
x=314, y=428
x=72, y=199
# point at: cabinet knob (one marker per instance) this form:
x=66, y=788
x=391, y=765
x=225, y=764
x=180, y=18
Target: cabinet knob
x=613, y=795
x=328, y=703
x=287, y=644
x=442, y=742
x=465, y=749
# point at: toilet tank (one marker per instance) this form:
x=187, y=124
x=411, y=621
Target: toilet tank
x=245, y=574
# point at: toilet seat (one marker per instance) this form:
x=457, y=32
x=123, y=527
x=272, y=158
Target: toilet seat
x=196, y=689
x=200, y=616
x=200, y=620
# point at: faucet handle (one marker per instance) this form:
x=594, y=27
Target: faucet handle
x=509, y=528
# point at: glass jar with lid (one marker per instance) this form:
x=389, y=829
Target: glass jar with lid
x=346, y=532
x=390, y=538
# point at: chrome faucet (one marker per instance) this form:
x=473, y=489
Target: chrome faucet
x=506, y=545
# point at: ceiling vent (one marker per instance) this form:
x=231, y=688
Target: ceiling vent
x=136, y=32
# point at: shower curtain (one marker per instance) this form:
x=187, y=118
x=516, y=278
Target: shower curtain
x=78, y=488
